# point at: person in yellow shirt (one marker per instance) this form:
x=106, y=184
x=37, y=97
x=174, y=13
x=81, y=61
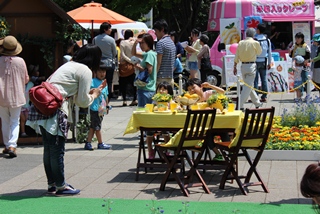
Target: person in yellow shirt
x=247, y=52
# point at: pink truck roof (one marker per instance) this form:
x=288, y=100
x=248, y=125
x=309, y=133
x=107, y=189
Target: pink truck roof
x=269, y=10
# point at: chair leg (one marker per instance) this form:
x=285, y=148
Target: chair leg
x=253, y=169
x=141, y=150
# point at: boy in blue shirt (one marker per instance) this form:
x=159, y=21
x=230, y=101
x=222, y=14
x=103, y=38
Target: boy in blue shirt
x=97, y=110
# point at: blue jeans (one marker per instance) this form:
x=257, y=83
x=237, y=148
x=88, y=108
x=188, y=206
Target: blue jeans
x=53, y=153
x=262, y=72
x=144, y=97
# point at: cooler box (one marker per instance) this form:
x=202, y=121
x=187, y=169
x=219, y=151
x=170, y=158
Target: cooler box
x=275, y=56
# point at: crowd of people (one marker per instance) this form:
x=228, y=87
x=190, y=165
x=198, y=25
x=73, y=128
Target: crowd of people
x=85, y=79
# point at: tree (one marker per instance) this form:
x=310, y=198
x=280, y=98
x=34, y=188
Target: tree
x=181, y=15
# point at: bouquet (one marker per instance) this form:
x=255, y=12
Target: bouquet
x=219, y=99
x=158, y=97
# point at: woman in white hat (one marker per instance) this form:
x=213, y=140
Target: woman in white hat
x=13, y=78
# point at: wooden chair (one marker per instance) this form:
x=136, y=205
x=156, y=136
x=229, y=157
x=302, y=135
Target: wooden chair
x=198, y=125
x=253, y=134
x=143, y=161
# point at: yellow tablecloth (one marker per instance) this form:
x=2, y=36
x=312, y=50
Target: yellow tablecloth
x=230, y=120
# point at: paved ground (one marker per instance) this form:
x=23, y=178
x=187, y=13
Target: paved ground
x=111, y=173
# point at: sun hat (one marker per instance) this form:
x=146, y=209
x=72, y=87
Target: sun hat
x=10, y=46
x=299, y=59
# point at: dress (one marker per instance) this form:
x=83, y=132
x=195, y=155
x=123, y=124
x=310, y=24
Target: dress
x=13, y=78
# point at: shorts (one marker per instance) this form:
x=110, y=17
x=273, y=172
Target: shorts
x=193, y=65
x=95, y=120
x=297, y=84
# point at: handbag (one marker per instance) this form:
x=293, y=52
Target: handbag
x=206, y=63
x=125, y=69
x=109, y=63
x=46, y=98
x=142, y=79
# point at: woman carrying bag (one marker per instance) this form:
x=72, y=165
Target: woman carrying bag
x=203, y=56
x=126, y=68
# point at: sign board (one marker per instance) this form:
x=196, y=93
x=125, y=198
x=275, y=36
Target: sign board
x=277, y=77
x=230, y=78
x=303, y=27
x=230, y=31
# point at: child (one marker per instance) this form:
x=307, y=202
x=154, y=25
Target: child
x=35, y=75
x=162, y=88
x=194, y=86
x=25, y=110
x=298, y=67
x=95, y=117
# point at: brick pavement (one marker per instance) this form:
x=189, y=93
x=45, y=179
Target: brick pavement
x=111, y=173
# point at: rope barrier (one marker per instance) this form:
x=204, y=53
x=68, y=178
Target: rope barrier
x=283, y=92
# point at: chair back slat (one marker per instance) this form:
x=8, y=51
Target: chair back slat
x=197, y=125
x=257, y=124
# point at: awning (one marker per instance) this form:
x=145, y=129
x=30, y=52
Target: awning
x=292, y=19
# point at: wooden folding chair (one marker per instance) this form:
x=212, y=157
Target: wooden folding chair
x=253, y=134
x=198, y=125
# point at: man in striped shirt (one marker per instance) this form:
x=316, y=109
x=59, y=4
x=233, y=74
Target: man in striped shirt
x=166, y=52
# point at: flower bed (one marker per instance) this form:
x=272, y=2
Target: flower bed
x=302, y=137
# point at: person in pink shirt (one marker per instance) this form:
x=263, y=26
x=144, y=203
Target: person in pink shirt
x=13, y=78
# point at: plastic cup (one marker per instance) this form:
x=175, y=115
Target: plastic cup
x=149, y=107
x=231, y=107
x=173, y=106
x=194, y=107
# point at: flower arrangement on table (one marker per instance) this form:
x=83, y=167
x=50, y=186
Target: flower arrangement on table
x=219, y=101
x=4, y=27
x=162, y=101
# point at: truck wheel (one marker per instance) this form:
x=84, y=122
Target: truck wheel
x=214, y=78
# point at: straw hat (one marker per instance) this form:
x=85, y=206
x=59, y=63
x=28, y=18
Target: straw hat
x=10, y=46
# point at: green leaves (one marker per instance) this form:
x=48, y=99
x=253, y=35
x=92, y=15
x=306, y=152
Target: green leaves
x=230, y=26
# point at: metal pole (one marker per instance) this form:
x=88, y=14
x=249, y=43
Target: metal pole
x=308, y=89
x=180, y=84
x=238, y=91
x=76, y=109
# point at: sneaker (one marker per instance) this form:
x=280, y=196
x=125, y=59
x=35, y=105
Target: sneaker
x=103, y=146
x=88, y=146
x=52, y=190
x=218, y=158
x=67, y=190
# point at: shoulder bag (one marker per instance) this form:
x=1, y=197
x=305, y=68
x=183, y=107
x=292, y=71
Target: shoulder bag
x=46, y=98
x=126, y=69
x=142, y=79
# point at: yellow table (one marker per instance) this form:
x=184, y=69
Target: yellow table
x=142, y=121
x=230, y=120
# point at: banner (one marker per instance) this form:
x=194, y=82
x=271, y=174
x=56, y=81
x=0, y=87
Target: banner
x=277, y=77
x=230, y=31
x=276, y=9
x=252, y=21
